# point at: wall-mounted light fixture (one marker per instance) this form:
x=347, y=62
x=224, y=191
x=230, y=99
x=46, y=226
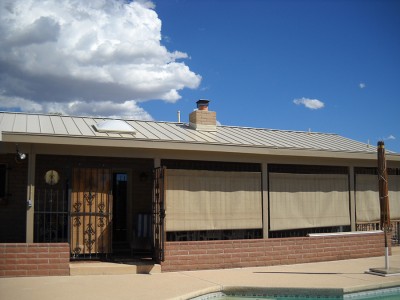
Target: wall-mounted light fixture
x=19, y=156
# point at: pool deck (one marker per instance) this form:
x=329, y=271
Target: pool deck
x=345, y=275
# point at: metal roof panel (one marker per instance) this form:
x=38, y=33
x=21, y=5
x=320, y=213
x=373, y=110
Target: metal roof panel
x=7, y=122
x=58, y=125
x=20, y=123
x=33, y=124
x=70, y=126
x=46, y=127
x=54, y=125
x=83, y=127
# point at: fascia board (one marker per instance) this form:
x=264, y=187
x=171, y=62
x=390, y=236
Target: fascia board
x=165, y=145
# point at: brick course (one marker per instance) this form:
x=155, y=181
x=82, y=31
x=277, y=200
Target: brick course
x=34, y=259
x=203, y=117
x=201, y=255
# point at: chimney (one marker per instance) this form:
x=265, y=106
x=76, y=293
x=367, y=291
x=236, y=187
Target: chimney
x=202, y=119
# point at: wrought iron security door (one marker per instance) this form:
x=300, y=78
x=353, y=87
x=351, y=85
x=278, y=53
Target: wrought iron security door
x=91, y=212
x=159, y=214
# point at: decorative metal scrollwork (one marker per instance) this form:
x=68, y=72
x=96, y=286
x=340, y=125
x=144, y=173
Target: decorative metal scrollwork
x=89, y=197
x=76, y=251
x=89, y=232
x=101, y=207
x=77, y=206
x=77, y=222
x=101, y=222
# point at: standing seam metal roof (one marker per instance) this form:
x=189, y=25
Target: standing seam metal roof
x=72, y=126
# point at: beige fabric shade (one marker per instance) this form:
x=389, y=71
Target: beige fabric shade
x=367, y=198
x=212, y=200
x=308, y=200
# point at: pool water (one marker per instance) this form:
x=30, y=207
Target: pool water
x=383, y=297
x=382, y=294
x=391, y=293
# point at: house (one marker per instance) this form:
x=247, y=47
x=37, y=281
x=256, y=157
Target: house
x=192, y=196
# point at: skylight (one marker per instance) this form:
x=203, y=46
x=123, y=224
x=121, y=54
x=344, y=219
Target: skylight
x=114, y=126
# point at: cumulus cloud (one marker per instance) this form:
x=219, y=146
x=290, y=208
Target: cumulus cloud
x=362, y=85
x=99, y=57
x=309, y=103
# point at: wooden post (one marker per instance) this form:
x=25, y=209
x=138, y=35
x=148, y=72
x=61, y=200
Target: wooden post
x=384, y=197
x=385, y=212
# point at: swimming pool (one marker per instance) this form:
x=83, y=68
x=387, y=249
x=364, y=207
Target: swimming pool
x=293, y=294
x=393, y=297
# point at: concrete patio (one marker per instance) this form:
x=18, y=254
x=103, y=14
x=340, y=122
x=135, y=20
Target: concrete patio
x=341, y=276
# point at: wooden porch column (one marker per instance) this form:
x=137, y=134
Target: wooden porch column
x=265, y=202
x=30, y=198
x=157, y=162
x=352, y=193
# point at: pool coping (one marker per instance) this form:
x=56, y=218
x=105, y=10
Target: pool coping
x=323, y=293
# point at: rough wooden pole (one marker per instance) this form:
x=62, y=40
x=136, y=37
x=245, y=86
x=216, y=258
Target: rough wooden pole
x=383, y=187
x=384, y=197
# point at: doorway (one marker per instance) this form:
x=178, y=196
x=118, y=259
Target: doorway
x=91, y=213
x=120, y=241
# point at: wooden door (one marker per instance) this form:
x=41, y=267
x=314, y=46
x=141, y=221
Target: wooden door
x=91, y=212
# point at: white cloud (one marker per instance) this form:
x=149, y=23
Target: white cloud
x=87, y=57
x=390, y=137
x=362, y=85
x=309, y=103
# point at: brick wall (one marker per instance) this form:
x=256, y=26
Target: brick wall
x=203, y=117
x=203, y=120
x=20, y=259
x=200, y=255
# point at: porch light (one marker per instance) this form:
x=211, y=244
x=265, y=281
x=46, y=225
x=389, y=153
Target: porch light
x=19, y=156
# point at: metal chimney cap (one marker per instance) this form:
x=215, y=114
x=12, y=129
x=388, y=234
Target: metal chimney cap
x=202, y=104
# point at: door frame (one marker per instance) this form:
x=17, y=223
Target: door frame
x=129, y=200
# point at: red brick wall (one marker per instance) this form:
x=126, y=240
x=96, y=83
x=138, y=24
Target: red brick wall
x=20, y=259
x=200, y=255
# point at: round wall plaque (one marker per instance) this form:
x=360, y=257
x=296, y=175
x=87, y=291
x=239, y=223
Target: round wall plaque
x=51, y=177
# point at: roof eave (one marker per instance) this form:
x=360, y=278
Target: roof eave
x=186, y=146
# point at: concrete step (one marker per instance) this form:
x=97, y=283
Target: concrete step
x=110, y=268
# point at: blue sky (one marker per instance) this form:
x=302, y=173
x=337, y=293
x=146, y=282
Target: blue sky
x=256, y=57
x=325, y=66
